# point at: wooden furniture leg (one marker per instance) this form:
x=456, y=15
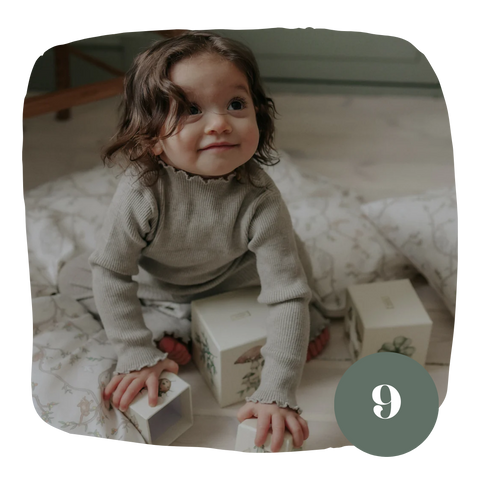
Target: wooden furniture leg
x=62, y=76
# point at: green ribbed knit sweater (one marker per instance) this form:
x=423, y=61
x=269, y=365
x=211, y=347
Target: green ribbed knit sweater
x=187, y=237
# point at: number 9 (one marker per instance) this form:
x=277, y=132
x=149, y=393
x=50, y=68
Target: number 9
x=395, y=401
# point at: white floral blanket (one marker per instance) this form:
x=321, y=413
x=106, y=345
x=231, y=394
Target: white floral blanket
x=73, y=359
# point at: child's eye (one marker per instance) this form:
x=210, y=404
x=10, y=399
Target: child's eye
x=194, y=108
x=240, y=103
x=237, y=104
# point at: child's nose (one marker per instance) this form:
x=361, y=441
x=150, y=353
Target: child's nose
x=217, y=122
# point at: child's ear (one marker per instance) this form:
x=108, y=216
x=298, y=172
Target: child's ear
x=157, y=149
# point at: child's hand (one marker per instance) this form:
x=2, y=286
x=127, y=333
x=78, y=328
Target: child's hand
x=278, y=418
x=125, y=387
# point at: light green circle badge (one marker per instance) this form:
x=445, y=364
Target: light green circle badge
x=386, y=404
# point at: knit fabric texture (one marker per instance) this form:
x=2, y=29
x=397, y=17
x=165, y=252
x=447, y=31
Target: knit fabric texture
x=187, y=237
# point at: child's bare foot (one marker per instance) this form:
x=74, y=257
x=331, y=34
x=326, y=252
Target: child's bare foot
x=177, y=350
x=316, y=346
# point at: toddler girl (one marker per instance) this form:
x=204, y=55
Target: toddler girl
x=195, y=215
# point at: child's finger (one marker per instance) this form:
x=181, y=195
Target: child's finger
x=278, y=432
x=152, y=387
x=170, y=366
x=122, y=387
x=247, y=411
x=112, y=385
x=296, y=429
x=263, y=426
x=303, y=423
x=131, y=392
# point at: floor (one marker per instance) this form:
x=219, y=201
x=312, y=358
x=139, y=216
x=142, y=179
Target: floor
x=378, y=146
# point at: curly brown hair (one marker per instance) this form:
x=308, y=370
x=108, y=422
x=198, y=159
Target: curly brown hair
x=149, y=94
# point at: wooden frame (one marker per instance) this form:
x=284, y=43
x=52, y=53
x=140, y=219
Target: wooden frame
x=66, y=96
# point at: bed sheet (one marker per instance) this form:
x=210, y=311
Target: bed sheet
x=72, y=358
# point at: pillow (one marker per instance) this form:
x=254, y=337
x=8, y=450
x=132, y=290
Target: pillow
x=345, y=248
x=424, y=228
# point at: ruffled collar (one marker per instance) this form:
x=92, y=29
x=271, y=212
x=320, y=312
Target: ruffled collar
x=192, y=177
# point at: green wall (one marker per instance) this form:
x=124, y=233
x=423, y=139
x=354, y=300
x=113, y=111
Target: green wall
x=290, y=60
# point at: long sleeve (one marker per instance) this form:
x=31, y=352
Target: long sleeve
x=285, y=289
x=189, y=234
x=129, y=225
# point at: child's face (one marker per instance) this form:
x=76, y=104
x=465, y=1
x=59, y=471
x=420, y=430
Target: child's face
x=221, y=132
